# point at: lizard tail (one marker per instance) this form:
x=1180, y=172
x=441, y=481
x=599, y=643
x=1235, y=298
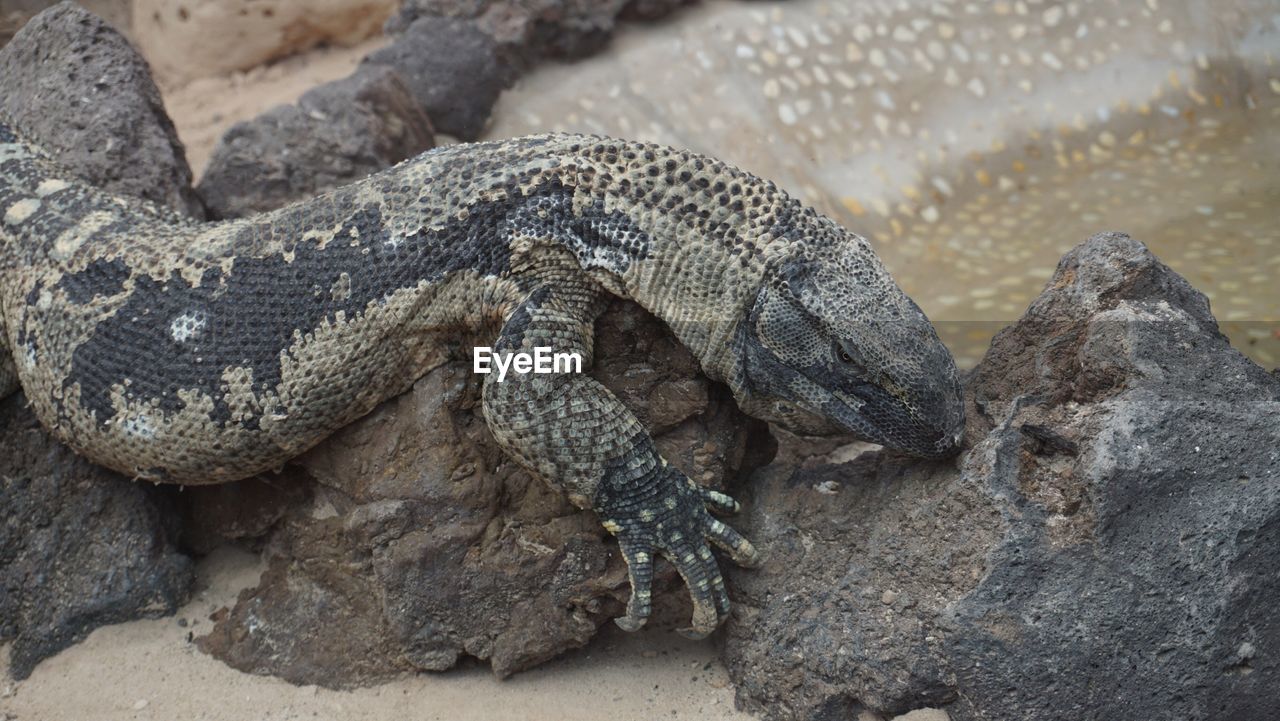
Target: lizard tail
x=46, y=212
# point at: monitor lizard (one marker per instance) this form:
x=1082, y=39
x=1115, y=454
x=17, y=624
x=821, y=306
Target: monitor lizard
x=188, y=352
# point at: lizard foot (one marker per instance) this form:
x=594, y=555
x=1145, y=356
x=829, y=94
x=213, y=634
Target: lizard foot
x=669, y=516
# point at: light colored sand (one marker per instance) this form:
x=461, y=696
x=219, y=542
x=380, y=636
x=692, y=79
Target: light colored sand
x=148, y=670
x=971, y=176
x=183, y=40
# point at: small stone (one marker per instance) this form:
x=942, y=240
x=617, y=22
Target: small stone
x=888, y=597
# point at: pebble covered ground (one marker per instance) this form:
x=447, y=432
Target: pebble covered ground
x=975, y=142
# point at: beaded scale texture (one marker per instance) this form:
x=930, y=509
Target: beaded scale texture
x=196, y=353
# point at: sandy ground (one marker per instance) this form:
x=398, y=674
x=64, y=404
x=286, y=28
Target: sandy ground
x=150, y=670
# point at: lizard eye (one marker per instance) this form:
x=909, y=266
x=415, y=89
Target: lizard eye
x=844, y=355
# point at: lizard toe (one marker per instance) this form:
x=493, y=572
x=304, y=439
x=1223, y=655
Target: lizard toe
x=718, y=502
x=698, y=569
x=640, y=573
x=731, y=542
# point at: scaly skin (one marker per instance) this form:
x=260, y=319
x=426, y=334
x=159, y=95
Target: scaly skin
x=192, y=353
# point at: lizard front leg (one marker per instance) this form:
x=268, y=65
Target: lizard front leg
x=573, y=432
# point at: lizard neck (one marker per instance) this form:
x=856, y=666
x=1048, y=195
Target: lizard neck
x=688, y=238
x=701, y=292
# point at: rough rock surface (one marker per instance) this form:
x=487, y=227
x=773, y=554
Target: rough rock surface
x=532, y=29
x=16, y=13
x=423, y=542
x=242, y=511
x=337, y=133
x=80, y=546
x=75, y=84
x=1106, y=547
x=454, y=72
x=455, y=59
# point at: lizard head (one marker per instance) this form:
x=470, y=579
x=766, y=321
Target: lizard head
x=832, y=345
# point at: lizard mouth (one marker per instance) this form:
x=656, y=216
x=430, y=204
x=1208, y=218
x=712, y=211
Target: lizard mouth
x=875, y=415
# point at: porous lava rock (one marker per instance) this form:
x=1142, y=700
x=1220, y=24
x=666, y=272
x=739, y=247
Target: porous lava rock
x=335, y=134
x=454, y=72
x=80, y=546
x=75, y=85
x=533, y=29
x=1105, y=547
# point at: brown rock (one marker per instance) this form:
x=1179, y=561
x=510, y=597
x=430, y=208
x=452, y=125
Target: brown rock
x=424, y=542
x=216, y=514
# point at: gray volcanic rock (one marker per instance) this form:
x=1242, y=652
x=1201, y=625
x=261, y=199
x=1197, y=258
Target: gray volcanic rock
x=80, y=546
x=75, y=85
x=533, y=29
x=337, y=133
x=1106, y=547
x=458, y=56
x=423, y=542
x=453, y=71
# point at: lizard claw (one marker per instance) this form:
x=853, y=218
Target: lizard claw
x=672, y=520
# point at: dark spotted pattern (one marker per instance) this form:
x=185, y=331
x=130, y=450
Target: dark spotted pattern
x=102, y=277
x=206, y=353
x=652, y=508
x=248, y=318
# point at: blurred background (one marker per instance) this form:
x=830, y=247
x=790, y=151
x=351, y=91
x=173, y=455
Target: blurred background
x=972, y=142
